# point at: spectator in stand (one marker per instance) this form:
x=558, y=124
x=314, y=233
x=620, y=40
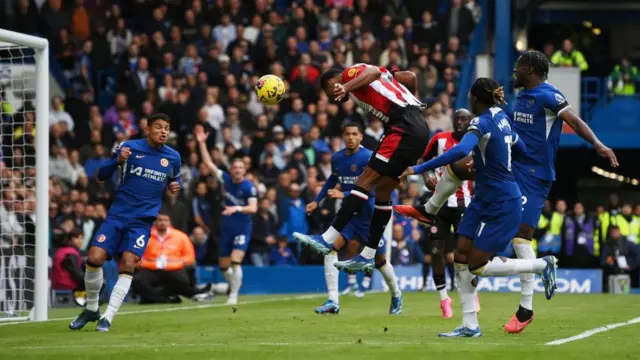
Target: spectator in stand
x=200, y=239
x=458, y=21
x=427, y=75
x=549, y=49
x=568, y=56
x=438, y=119
x=77, y=170
x=178, y=212
x=66, y=270
x=581, y=242
x=263, y=237
x=163, y=271
x=202, y=208
x=624, y=78
x=281, y=253
x=295, y=217
x=402, y=249
x=619, y=256
x=58, y=115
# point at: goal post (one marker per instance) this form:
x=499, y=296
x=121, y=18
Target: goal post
x=21, y=83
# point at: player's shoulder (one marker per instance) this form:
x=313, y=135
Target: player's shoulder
x=339, y=155
x=364, y=152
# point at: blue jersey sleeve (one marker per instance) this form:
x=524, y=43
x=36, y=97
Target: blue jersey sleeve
x=109, y=167
x=331, y=182
x=517, y=145
x=479, y=125
x=175, y=175
x=553, y=100
x=250, y=191
x=468, y=142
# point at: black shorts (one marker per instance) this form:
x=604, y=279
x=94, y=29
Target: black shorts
x=402, y=145
x=444, y=228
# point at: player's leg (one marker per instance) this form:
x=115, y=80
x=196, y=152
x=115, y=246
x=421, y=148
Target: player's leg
x=534, y=193
x=353, y=247
x=389, y=276
x=426, y=266
x=331, y=274
x=105, y=243
x=447, y=186
x=379, y=220
x=134, y=242
x=350, y=206
x=225, y=247
x=438, y=234
x=240, y=246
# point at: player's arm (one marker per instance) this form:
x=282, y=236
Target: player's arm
x=518, y=146
x=201, y=137
x=466, y=145
x=408, y=79
x=581, y=128
x=364, y=78
x=120, y=155
x=331, y=182
x=251, y=207
x=175, y=181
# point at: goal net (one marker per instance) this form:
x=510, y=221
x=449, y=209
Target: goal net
x=24, y=107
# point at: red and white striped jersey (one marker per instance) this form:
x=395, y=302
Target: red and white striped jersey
x=383, y=96
x=438, y=144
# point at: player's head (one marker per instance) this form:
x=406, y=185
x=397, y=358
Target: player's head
x=163, y=221
x=352, y=135
x=159, y=127
x=238, y=170
x=484, y=94
x=531, y=68
x=328, y=80
x=461, y=119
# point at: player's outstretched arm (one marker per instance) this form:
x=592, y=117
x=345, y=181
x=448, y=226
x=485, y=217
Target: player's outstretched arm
x=518, y=146
x=468, y=142
x=581, y=128
x=201, y=137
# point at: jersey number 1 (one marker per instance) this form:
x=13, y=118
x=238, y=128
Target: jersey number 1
x=507, y=140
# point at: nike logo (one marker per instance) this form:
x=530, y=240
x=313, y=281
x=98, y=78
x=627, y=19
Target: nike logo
x=139, y=156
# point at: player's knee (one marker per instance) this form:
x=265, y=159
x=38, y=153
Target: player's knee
x=380, y=262
x=450, y=258
x=525, y=232
x=426, y=259
x=235, y=263
x=367, y=180
x=460, y=257
x=96, y=258
x=476, y=269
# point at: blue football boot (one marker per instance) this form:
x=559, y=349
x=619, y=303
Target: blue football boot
x=103, y=325
x=329, y=307
x=396, y=305
x=357, y=264
x=315, y=242
x=462, y=331
x=85, y=317
x=549, y=276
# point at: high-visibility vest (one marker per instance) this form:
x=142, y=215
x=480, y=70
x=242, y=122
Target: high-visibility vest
x=622, y=224
x=604, y=219
x=552, y=240
x=635, y=230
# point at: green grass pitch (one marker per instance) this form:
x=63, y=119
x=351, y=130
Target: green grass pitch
x=285, y=327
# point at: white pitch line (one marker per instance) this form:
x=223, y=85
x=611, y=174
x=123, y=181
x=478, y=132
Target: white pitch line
x=183, y=308
x=592, y=332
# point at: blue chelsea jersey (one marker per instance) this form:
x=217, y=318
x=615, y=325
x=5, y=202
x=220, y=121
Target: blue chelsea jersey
x=237, y=194
x=143, y=179
x=536, y=121
x=347, y=168
x=492, y=156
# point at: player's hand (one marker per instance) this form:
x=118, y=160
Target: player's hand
x=125, y=152
x=201, y=136
x=335, y=194
x=271, y=240
x=339, y=92
x=229, y=210
x=408, y=172
x=311, y=207
x=431, y=182
x=607, y=153
x=174, y=187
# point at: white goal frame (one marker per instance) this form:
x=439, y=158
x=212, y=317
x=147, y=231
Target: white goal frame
x=39, y=311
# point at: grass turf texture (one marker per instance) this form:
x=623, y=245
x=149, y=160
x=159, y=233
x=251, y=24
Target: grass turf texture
x=286, y=328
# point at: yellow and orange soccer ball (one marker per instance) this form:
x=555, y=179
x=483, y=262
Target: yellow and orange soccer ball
x=270, y=89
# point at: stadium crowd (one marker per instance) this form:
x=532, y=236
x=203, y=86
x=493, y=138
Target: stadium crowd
x=197, y=61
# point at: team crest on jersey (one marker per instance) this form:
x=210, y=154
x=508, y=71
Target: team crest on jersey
x=354, y=167
x=434, y=229
x=101, y=238
x=530, y=103
x=559, y=98
x=352, y=72
x=164, y=162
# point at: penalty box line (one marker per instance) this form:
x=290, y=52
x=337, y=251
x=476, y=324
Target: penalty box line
x=182, y=308
x=592, y=332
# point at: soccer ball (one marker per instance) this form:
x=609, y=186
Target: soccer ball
x=270, y=89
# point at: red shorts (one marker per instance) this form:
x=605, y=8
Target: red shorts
x=402, y=145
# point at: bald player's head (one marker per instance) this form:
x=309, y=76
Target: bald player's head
x=461, y=119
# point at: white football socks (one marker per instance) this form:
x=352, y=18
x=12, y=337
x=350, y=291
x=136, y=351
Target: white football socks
x=368, y=253
x=524, y=250
x=506, y=267
x=390, y=278
x=443, y=294
x=330, y=235
x=93, y=284
x=467, y=296
x=331, y=274
x=236, y=281
x=118, y=294
x=446, y=187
